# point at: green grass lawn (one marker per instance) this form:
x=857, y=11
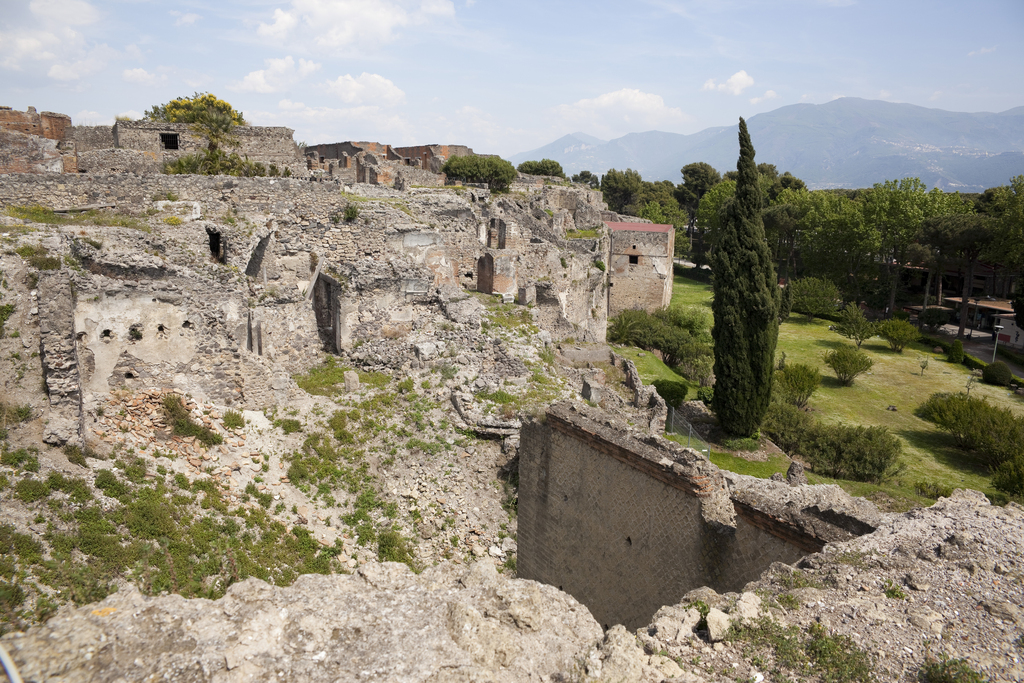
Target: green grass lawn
x=895, y=380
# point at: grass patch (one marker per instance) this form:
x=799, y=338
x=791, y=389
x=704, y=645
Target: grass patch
x=41, y=214
x=233, y=420
x=582, y=234
x=761, y=470
x=183, y=424
x=327, y=379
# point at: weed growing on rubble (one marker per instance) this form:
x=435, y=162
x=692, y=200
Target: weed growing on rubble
x=946, y=670
x=833, y=658
x=184, y=425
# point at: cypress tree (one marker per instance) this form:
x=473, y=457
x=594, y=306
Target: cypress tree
x=746, y=305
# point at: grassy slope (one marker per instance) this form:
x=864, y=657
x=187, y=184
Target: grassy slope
x=895, y=380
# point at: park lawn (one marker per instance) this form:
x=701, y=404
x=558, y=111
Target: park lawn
x=897, y=380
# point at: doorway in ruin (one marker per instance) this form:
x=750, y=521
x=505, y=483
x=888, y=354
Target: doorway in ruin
x=326, y=292
x=485, y=274
x=218, y=245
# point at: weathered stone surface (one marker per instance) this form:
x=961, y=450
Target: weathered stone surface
x=383, y=623
x=718, y=624
x=351, y=380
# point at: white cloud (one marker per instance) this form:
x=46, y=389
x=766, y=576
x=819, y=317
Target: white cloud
x=935, y=95
x=87, y=117
x=85, y=64
x=768, y=95
x=70, y=12
x=278, y=76
x=329, y=124
x=982, y=51
x=884, y=94
x=334, y=24
x=186, y=19
x=20, y=47
x=140, y=76
x=366, y=89
x=132, y=114
x=621, y=111
x=736, y=84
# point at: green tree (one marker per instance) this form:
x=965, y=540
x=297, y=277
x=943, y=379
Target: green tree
x=814, y=296
x=847, y=362
x=708, y=223
x=621, y=188
x=837, y=242
x=965, y=237
x=191, y=109
x=587, y=178
x=495, y=171
x=745, y=305
x=797, y=382
x=698, y=178
x=898, y=333
x=853, y=325
x=548, y=167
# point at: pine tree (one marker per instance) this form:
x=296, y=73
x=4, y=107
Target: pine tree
x=746, y=305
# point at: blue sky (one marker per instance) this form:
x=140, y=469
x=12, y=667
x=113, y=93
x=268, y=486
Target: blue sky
x=505, y=77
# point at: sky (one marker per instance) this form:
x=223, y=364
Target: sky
x=505, y=77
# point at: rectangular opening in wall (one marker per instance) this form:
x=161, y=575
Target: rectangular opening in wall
x=633, y=258
x=169, y=140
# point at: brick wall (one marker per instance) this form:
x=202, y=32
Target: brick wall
x=640, y=269
x=626, y=527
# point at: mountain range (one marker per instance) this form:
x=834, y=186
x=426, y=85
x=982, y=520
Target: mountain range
x=848, y=142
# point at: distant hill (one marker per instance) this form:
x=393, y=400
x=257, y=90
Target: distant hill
x=849, y=142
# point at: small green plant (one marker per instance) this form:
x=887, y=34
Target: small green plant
x=351, y=213
x=933, y=490
x=789, y=601
x=135, y=333
x=233, y=420
x=183, y=424
x=599, y=264
x=173, y=220
x=997, y=373
x=288, y=425
x=898, y=333
x=946, y=670
x=848, y=362
x=956, y=352
x=796, y=383
x=565, y=264
x=893, y=590
x=674, y=393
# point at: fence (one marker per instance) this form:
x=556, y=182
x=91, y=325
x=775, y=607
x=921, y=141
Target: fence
x=677, y=424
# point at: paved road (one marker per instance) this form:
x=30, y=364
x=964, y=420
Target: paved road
x=980, y=346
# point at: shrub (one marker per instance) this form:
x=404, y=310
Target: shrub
x=848, y=362
x=814, y=296
x=933, y=318
x=30, y=490
x=1009, y=476
x=994, y=435
x=681, y=334
x=351, y=213
x=110, y=484
x=853, y=325
x=183, y=424
x=868, y=454
x=997, y=373
x=787, y=426
x=288, y=425
x=946, y=670
x=898, y=333
x=543, y=167
x=956, y=352
x=706, y=395
x=495, y=171
x=674, y=393
x=797, y=382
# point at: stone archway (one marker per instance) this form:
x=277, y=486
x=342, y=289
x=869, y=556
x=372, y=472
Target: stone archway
x=485, y=274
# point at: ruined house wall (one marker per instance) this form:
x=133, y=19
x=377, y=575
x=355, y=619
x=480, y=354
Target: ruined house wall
x=89, y=138
x=25, y=153
x=269, y=145
x=48, y=124
x=108, y=160
x=432, y=157
x=624, y=528
x=640, y=267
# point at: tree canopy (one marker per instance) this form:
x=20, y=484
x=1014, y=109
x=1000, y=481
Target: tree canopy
x=587, y=178
x=192, y=109
x=543, y=167
x=495, y=171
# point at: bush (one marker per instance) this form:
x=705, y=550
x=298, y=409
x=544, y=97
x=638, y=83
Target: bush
x=787, y=426
x=797, y=382
x=997, y=373
x=351, y=213
x=110, y=484
x=933, y=318
x=848, y=362
x=495, y=171
x=956, y=352
x=994, y=435
x=543, y=167
x=868, y=454
x=674, y=393
x=706, y=395
x=946, y=670
x=854, y=325
x=682, y=335
x=898, y=333
x=814, y=296
x=1009, y=476
x=183, y=424
x=30, y=490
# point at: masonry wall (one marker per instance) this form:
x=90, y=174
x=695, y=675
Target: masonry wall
x=646, y=284
x=47, y=125
x=614, y=524
x=269, y=145
x=89, y=138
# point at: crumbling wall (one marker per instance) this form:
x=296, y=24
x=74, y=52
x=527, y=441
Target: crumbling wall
x=23, y=153
x=59, y=358
x=108, y=160
x=626, y=524
x=90, y=138
x=48, y=124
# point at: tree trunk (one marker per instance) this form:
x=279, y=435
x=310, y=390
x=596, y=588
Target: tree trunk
x=927, y=290
x=968, y=282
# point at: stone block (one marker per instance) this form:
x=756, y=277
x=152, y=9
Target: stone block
x=718, y=625
x=527, y=295
x=351, y=381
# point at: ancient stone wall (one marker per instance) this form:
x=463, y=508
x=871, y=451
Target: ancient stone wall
x=25, y=153
x=640, y=266
x=109, y=160
x=432, y=157
x=625, y=525
x=89, y=138
x=47, y=125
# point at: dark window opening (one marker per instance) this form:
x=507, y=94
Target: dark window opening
x=169, y=140
x=634, y=258
x=129, y=375
x=187, y=325
x=107, y=334
x=159, y=328
x=217, y=246
x=469, y=275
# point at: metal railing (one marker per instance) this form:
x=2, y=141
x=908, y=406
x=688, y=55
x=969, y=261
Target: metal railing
x=677, y=424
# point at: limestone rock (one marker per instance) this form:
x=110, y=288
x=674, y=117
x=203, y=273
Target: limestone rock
x=795, y=474
x=351, y=381
x=718, y=624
